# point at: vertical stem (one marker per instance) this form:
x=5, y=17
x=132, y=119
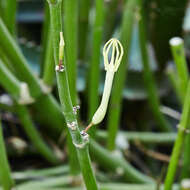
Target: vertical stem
x=5, y=173
x=110, y=17
x=116, y=97
x=70, y=33
x=182, y=129
x=48, y=74
x=94, y=70
x=149, y=80
x=10, y=15
x=177, y=47
x=80, y=142
x=84, y=7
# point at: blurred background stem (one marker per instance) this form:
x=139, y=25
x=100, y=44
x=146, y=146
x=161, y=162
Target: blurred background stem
x=149, y=80
x=84, y=9
x=5, y=173
x=9, y=14
x=120, y=77
x=70, y=29
x=94, y=67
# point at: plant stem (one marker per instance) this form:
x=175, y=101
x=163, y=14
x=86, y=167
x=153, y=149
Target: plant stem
x=48, y=74
x=9, y=15
x=177, y=48
x=111, y=9
x=144, y=137
x=12, y=85
x=182, y=129
x=120, y=76
x=70, y=34
x=34, y=135
x=9, y=82
x=8, y=44
x=5, y=173
x=83, y=27
x=94, y=69
x=64, y=94
x=114, y=163
x=149, y=79
x=172, y=75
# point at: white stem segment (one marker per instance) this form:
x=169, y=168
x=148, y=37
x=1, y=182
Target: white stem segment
x=101, y=111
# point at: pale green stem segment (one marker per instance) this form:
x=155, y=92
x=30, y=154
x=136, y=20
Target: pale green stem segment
x=177, y=47
x=182, y=130
x=79, y=140
x=5, y=173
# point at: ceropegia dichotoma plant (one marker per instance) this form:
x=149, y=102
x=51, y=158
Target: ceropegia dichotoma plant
x=114, y=48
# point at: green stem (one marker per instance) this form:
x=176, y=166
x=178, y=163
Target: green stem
x=83, y=27
x=5, y=173
x=48, y=74
x=149, y=79
x=9, y=82
x=177, y=48
x=64, y=94
x=9, y=15
x=70, y=34
x=172, y=75
x=34, y=135
x=182, y=127
x=144, y=137
x=8, y=44
x=94, y=70
x=12, y=85
x=115, y=163
x=111, y=9
x=120, y=76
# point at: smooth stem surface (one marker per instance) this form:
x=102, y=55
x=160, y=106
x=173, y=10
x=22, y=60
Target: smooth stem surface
x=5, y=173
x=34, y=135
x=94, y=69
x=67, y=108
x=48, y=59
x=9, y=81
x=172, y=75
x=8, y=44
x=149, y=80
x=84, y=8
x=70, y=34
x=9, y=15
x=144, y=137
x=110, y=15
x=12, y=85
x=115, y=163
x=120, y=76
x=177, y=48
x=182, y=127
